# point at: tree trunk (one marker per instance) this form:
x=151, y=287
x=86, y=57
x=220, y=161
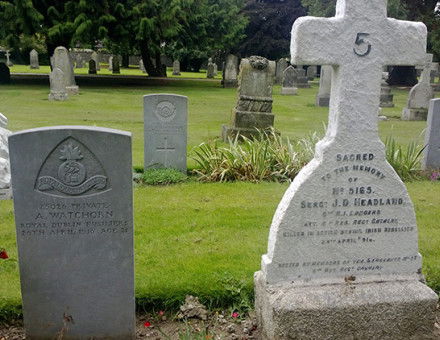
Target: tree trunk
x=403, y=76
x=152, y=70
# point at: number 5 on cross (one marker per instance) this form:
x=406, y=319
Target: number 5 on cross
x=360, y=41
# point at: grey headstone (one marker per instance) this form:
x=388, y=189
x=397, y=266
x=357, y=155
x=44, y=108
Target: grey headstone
x=311, y=72
x=281, y=66
x=58, y=90
x=325, y=84
x=288, y=85
x=165, y=131
x=116, y=66
x=210, y=69
x=254, y=106
x=141, y=66
x=176, y=68
x=230, y=71
x=33, y=57
x=5, y=171
x=95, y=57
x=342, y=260
x=63, y=61
x=74, y=220
x=5, y=74
x=92, y=66
x=301, y=80
x=431, y=157
x=215, y=69
x=386, y=97
x=110, y=63
x=420, y=95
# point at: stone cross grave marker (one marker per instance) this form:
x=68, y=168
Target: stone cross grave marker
x=431, y=157
x=33, y=57
x=8, y=60
x=5, y=171
x=165, y=131
x=325, y=83
x=74, y=222
x=343, y=241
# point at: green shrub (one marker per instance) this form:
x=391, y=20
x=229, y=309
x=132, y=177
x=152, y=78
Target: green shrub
x=267, y=157
x=162, y=177
x=406, y=162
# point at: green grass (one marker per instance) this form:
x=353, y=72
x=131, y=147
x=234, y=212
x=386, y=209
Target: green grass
x=192, y=237
x=131, y=71
x=209, y=107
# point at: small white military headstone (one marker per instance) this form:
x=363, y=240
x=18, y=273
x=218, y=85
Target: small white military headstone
x=420, y=95
x=325, y=84
x=63, y=61
x=57, y=85
x=431, y=157
x=73, y=203
x=5, y=171
x=33, y=56
x=165, y=131
x=343, y=259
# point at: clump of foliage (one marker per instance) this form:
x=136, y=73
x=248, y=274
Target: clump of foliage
x=267, y=157
x=162, y=177
x=404, y=161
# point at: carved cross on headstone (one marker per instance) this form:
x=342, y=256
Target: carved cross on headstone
x=357, y=42
x=312, y=236
x=166, y=149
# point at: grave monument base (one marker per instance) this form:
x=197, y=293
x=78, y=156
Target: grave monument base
x=6, y=194
x=232, y=132
x=414, y=114
x=378, y=310
x=323, y=101
x=58, y=96
x=72, y=90
x=289, y=91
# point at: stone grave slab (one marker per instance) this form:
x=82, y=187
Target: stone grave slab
x=63, y=61
x=230, y=71
x=431, y=153
x=343, y=259
x=325, y=84
x=279, y=70
x=33, y=58
x=176, y=68
x=74, y=222
x=288, y=84
x=165, y=131
x=58, y=90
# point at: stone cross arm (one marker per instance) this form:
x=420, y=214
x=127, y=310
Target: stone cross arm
x=359, y=29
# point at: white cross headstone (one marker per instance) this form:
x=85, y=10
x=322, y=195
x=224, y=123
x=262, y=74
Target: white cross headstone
x=347, y=217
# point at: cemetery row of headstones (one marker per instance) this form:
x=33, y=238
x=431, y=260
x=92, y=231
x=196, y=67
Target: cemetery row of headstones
x=342, y=258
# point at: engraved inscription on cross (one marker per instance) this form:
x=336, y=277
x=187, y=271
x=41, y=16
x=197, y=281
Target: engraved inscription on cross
x=357, y=42
x=166, y=149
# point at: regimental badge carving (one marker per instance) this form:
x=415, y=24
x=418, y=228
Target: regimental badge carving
x=165, y=111
x=71, y=169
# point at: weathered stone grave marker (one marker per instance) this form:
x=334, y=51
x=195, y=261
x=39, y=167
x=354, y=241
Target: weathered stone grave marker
x=325, y=84
x=165, y=131
x=176, y=68
x=301, y=80
x=254, y=105
x=386, y=97
x=210, y=69
x=279, y=70
x=230, y=71
x=420, y=95
x=63, y=61
x=142, y=66
x=288, y=85
x=5, y=171
x=312, y=70
x=431, y=157
x=343, y=259
x=95, y=57
x=116, y=66
x=8, y=59
x=74, y=220
x=92, y=66
x=57, y=86
x=33, y=57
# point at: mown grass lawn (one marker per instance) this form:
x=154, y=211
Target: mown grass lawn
x=197, y=238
